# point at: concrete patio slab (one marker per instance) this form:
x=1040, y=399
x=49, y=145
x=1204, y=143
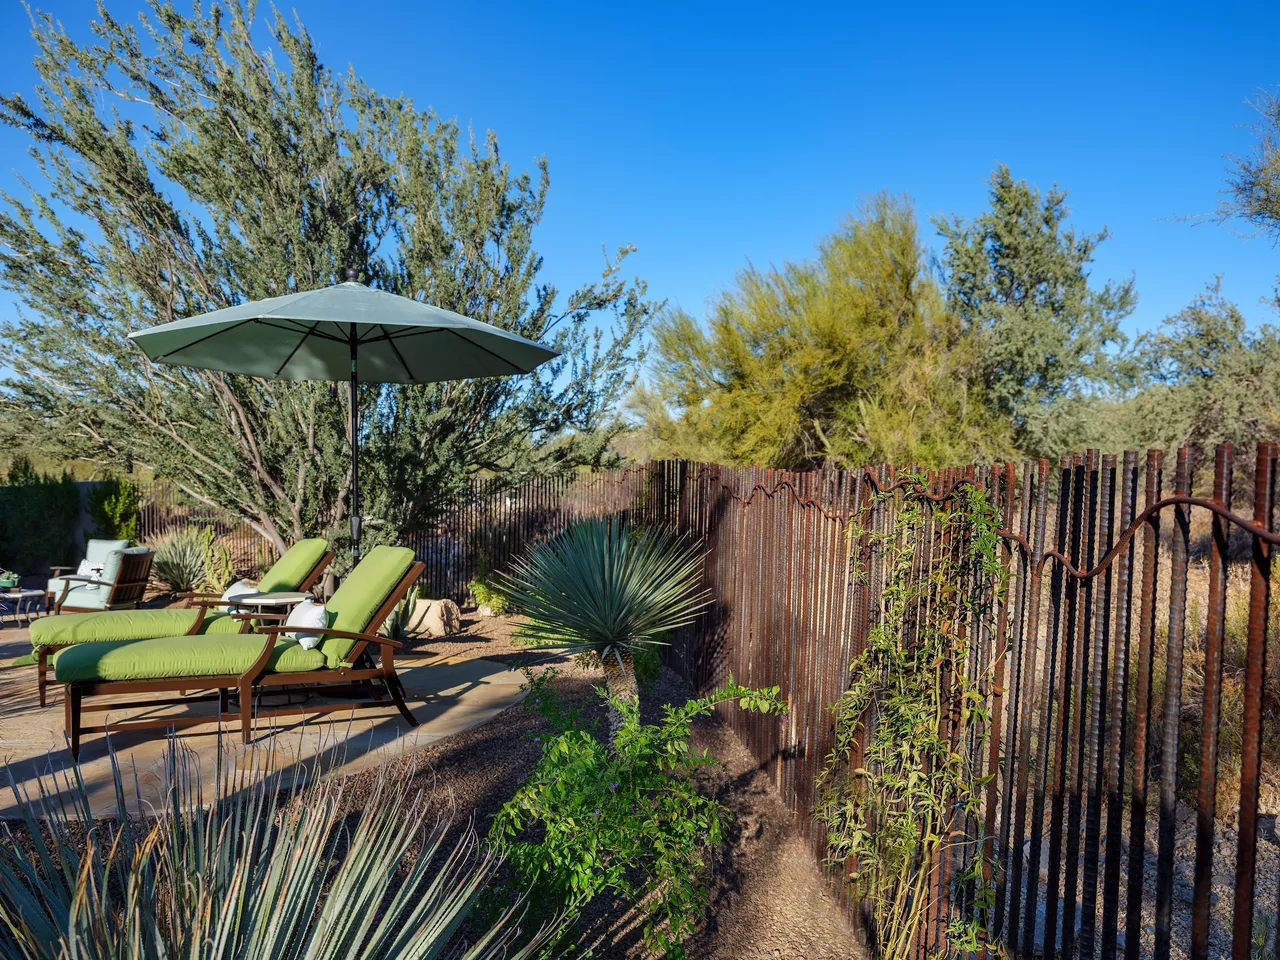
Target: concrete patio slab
x=449, y=691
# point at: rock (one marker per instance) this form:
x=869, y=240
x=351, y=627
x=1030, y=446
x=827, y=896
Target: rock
x=435, y=618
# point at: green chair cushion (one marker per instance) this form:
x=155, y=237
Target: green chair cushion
x=366, y=588
x=111, y=565
x=164, y=658
x=89, y=597
x=69, y=628
x=95, y=551
x=55, y=587
x=287, y=573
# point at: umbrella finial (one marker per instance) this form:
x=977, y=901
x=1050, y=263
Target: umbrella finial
x=352, y=275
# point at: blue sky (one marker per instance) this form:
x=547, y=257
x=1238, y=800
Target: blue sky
x=710, y=135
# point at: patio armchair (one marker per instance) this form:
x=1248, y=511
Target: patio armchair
x=95, y=555
x=120, y=586
x=351, y=661
x=297, y=570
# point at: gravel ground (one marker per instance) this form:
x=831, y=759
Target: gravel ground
x=769, y=900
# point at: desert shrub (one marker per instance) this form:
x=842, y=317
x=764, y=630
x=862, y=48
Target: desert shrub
x=113, y=505
x=181, y=559
x=622, y=815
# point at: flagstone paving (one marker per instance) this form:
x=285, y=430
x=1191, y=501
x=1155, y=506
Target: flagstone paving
x=451, y=687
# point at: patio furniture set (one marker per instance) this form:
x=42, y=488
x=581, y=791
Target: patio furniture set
x=230, y=648
x=213, y=649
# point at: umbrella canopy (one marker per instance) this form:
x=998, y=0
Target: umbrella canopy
x=315, y=335
x=347, y=331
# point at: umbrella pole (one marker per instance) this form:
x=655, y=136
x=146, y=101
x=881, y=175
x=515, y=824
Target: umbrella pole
x=355, y=453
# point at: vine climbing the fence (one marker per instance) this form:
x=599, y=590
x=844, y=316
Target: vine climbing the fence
x=903, y=784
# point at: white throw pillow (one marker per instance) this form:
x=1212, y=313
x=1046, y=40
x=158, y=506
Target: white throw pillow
x=238, y=589
x=88, y=568
x=307, y=614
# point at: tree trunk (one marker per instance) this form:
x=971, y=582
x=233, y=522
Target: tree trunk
x=620, y=680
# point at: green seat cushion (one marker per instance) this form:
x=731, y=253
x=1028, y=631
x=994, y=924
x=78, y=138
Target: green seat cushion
x=69, y=628
x=164, y=658
x=287, y=573
x=89, y=597
x=366, y=588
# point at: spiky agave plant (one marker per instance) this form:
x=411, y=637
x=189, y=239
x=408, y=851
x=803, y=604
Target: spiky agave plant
x=605, y=590
x=266, y=871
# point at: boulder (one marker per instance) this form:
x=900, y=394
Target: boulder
x=435, y=618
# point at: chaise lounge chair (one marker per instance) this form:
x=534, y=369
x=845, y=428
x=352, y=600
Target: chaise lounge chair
x=297, y=570
x=344, y=664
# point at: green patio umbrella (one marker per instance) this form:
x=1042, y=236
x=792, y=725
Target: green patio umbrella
x=345, y=331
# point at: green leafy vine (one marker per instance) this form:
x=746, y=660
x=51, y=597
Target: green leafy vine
x=903, y=787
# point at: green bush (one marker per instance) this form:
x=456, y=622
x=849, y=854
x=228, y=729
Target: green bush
x=624, y=816
x=181, y=559
x=38, y=517
x=488, y=596
x=263, y=870
x=113, y=504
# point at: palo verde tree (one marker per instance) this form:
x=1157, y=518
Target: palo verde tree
x=183, y=168
x=848, y=359
x=1047, y=340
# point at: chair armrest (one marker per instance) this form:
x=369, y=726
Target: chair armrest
x=76, y=579
x=57, y=570
x=330, y=632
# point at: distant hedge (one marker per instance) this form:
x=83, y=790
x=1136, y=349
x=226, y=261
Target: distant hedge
x=38, y=517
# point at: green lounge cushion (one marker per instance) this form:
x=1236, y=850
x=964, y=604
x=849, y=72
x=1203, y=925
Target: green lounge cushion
x=69, y=628
x=163, y=658
x=287, y=573
x=125, y=623
x=366, y=588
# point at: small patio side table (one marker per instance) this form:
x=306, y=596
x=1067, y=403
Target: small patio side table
x=17, y=603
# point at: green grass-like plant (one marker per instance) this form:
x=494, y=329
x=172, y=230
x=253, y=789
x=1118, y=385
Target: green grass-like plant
x=602, y=590
x=263, y=871
x=181, y=560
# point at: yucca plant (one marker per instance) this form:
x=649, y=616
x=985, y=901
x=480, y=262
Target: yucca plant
x=180, y=560
x=607, y=591
x=265, y=871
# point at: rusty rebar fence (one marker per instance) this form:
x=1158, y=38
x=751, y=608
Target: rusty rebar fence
x=1128, y=645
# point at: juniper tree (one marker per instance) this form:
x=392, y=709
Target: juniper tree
x=1048, y=341
x=197, y=160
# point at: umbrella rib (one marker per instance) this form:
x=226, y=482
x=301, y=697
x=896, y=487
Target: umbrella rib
x=396, y=350
x=486, y=350
x=207, y=336
x=303, y=330
x=297, y=346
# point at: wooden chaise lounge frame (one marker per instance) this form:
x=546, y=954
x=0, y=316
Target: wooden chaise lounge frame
x=349, y=679
x=205, y=601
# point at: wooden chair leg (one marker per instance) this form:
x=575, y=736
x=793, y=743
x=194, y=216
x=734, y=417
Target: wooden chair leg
x=396, y=689
x=223, y=701
x=71, y=696
x=42, y=672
